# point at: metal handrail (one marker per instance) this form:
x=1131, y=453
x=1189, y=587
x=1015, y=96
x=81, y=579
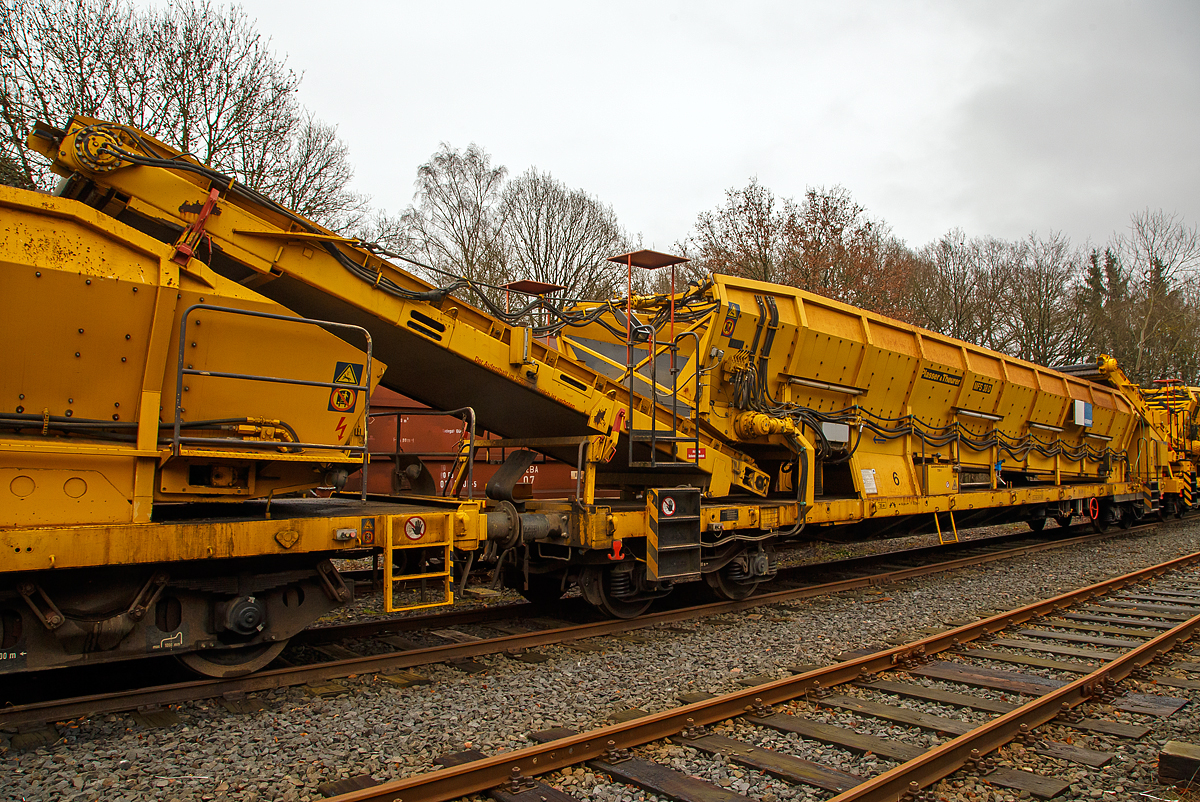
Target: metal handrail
x=466, y=414
x=180, y=371
x=673, y=349
x=695, y=375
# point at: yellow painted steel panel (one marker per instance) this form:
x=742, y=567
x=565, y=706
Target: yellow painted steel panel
x=939, y=480
x=36, y=548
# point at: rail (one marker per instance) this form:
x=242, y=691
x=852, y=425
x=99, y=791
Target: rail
x=115, y=701
x=560, y=748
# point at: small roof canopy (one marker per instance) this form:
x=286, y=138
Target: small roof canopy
x=650, y=260
x=532, y=287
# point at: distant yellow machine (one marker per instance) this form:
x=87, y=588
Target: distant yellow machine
x=189, y=363
x=1175, y=409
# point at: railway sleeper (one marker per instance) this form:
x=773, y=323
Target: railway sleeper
x=1052, y=701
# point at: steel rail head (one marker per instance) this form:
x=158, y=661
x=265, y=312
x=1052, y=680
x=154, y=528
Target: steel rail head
x=953, y=754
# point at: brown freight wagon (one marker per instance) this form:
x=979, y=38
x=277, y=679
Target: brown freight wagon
x=402, y=430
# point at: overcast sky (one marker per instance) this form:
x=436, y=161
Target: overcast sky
x=1000, y=118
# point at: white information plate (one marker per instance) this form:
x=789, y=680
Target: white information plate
x=868, y=477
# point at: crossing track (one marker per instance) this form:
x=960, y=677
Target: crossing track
x=1158, y=608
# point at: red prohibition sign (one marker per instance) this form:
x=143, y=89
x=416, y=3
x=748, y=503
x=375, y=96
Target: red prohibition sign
x=414, y=528
x=668, y=506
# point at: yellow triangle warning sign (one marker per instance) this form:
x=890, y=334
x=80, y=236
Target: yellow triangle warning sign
x=347, y=373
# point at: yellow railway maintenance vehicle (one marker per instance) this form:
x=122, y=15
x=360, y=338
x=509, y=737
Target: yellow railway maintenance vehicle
x=188, y=361
x=1175, y=408
x=1169, y=409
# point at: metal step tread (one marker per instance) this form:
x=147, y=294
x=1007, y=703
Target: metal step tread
x=641, y=435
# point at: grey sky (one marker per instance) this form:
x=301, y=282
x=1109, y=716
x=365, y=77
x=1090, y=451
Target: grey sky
x=1000, y=118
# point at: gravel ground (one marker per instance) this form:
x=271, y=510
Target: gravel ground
x=285, y=751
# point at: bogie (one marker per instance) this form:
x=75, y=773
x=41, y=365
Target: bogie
x=233, y=623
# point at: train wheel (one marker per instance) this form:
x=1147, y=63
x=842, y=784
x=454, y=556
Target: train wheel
x=725, y=587
x=597, y=583
x=1037, y=524
x=1100, y=523
x=1063, y=520
x=223, y=663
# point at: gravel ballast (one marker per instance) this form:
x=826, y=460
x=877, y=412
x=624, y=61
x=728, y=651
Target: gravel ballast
x=284, y=752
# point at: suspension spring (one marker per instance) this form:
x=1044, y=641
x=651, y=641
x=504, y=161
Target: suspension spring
x=620, y=583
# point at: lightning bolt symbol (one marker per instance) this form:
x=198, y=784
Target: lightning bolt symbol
x=341, y=428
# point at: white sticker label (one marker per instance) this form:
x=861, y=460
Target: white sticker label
x=868, y=477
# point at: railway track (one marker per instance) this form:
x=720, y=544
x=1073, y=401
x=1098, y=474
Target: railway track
x=1022, y=681
x=789, y=577
x=403, y=654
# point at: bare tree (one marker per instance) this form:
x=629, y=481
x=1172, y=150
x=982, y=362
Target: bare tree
x=55, y=57
x=11, y=174
x=826, y=244
x=390, y=231
x=1046, y=324
x=827, y=240
x=836, y=249
x=946, y=297
x=456, y=220
x=1038, y=298
x=1162, y=254
x=995, y=264
x=1044, y=301
x=196, y=76
x=748, y=236
x=311, y=175
x=225, y=92
x=560, y=236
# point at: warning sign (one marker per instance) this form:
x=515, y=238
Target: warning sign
x=668, y=507
x=347, y=373
x=731, y=319
x=343, y=400
x=368, y=530
x=697, y=453
x=414, y=528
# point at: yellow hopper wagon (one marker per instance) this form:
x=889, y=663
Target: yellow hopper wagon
x=185, y=400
